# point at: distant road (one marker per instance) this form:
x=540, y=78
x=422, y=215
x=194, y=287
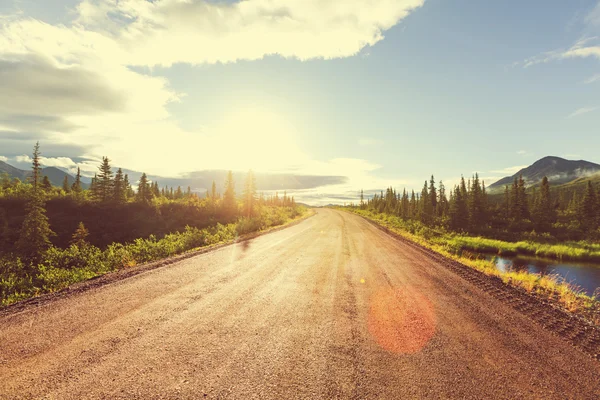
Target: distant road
x=329, y=308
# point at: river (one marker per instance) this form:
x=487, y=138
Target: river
x=585, y=276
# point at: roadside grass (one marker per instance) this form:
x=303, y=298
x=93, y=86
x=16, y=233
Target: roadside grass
x=61, y=268
x=463, y=249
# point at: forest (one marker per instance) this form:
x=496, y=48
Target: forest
x=51, y=237
x=538, y=220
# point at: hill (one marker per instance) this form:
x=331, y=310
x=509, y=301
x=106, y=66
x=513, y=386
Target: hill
x=558, y=170
x=55, y=175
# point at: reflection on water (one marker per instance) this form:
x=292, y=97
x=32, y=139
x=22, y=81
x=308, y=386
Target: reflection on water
x=586, y=276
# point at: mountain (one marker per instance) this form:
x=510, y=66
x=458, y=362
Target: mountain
x=12, y=171
x=556, y=169
x=55, y=175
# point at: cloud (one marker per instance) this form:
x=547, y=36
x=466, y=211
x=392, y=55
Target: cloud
x=593, y=18
x=592, y=79
x=522, y=152
x=23, y=159
x=2, y=158
x=73, y=85
x=198, y=31
x=583, y=48
x=366, y=142
x=582, y=111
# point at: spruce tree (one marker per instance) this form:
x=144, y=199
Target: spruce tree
x=36, y=167
x=79, y=238
x=104, y=181
x=46, y=185
x=76, y=187
x=588, y=215
x=250, y=194
x=433, y=196
x=229, y=205
x=65, y=185
x=144, y=194
x=119, y=188
x=34, y=238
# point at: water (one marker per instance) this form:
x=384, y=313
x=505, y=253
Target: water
x=585, y=276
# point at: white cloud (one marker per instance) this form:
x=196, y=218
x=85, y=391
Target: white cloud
x=79, y=82
x=593, y=18
x=592, y=79
x=582, y=111
x=198, y=31
x=2, y=158
x=23, y=159
x=522, y=152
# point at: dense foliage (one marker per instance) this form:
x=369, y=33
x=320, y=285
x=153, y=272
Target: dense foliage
x=52, y=237
x=520, y=213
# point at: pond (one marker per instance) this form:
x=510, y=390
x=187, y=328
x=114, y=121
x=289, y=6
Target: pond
x=585, y=276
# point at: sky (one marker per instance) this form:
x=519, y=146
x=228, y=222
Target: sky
x=381, y=92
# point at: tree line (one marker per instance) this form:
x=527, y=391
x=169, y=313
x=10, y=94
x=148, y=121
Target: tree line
x=112, y=205
x=468, y=208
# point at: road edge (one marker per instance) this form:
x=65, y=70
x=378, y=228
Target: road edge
x=125, y=273
x=577, y=331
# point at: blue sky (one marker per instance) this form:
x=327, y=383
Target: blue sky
x=386, y=93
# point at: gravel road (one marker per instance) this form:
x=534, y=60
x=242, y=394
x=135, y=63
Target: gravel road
x=329, y=308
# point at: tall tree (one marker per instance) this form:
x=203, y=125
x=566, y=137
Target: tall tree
x=76, y=187
x=588, y=214
x=34, y=237
x=104, y=181
x=36, y=167
x=249, y=194
x=545, y=211
x=229, y=205
x=119, y=188
x=46, y=185
x=144, y=194
x=65, y=185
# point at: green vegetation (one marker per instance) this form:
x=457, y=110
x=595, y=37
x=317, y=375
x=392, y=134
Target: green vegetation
x=111, y=226
x=553, y=222
x=459, y=248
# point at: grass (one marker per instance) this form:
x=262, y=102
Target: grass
x=61, y=268
x=463, y=249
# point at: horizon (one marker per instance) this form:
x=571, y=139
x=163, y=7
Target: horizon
x=384, y=95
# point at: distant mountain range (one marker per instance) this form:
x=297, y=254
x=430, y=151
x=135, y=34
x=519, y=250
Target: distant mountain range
x=198, y=181
x=55, y=175
x=556, y=169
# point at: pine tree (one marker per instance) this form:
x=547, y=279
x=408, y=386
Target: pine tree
x=588, y=215
x=476, y=206
x=250, y=194
x=179, y=193
x=36, y=167
x=104, y=181
x=76, y=187
x=94, y=190
x=119, y=188
x=362, y=199
x=545, y=211
x=144, y=194
x=79, y=238
x=443, y=202
x=128, y=189
x=433, y=196
x=34, y=237
x=459, y=212
x=65, y=185
x=46, y=185
x=229, y=205
x=213, y=195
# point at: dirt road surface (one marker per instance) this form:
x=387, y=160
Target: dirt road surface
x=330, y=308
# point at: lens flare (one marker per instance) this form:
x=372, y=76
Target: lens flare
x=401, y=321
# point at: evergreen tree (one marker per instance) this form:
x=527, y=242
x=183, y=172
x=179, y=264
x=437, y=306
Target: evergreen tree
x=179, y=193
x=250, y=194
x=459, y=212
x=588, y=215
x=65, y=185
x=229, y=205
x=213, y=195
x=76, y=187
x=477, y=217
x=362, y=199
x=545, y=211
x=94, y=190
x=442, y=207
x=46, y=185
x=433, y=196
x=104, y=181
x=119, y=188
x=144, y=194
x=36, y=167
x=128, y=189
x=34, y=237
x=79, y=238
